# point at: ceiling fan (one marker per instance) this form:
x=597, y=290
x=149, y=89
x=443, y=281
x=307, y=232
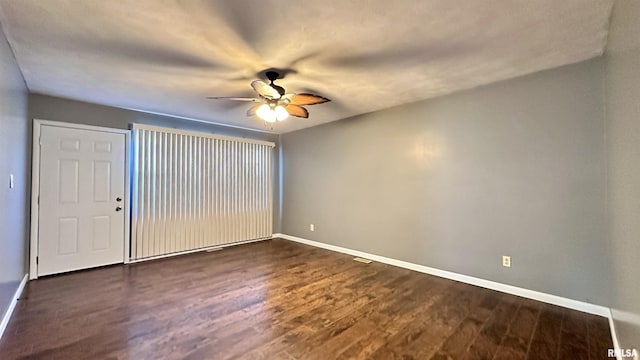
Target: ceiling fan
x=273, y=104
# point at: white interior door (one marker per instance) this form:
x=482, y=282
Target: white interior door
x=82, y=187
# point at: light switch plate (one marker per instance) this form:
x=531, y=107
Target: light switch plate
x=11, y=181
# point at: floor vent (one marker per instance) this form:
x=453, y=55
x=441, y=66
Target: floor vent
x=362, y=260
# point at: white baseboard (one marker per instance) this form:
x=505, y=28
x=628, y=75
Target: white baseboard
x=12, y=305
x=509, y=289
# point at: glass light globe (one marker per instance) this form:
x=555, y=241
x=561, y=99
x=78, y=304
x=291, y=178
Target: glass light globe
x=266, y=113
x=281, y=113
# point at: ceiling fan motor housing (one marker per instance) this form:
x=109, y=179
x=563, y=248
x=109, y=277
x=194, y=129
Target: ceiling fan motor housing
x=272, y=75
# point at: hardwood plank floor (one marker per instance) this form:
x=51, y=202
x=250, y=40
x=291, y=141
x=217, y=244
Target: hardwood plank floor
x=282, y=300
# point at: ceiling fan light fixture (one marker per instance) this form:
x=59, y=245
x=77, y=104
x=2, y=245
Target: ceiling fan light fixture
x=266, y=113
x=281, y=113
x=273, y=103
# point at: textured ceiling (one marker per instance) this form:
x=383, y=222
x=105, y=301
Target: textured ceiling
x=167, y=56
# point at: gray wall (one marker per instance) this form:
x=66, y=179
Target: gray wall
x=513, y=168
x=622, y=88
x=58, y=109
x=14, y=159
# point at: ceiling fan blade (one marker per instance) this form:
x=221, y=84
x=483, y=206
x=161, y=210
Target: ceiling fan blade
x=233, y=98
x=295, y=110
x=265, y=90
x=252, y=110
x=307, y=99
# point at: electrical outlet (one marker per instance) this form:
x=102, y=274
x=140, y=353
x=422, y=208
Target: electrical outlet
x=506, y=261
x=312, y=227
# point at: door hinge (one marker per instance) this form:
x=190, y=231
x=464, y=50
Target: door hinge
x=37, y=258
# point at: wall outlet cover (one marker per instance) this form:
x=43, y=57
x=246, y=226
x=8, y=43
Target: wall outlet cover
x=506, y=261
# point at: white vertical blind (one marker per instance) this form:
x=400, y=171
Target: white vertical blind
x=195, y=190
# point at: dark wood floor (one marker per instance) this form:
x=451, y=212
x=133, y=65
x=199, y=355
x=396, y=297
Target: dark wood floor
x=282, y=300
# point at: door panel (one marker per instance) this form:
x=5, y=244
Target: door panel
x=102, y=181
x=82, y=174
x=67, y=236
x=68, y=173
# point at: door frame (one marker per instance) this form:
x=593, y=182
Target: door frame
x=35, y=186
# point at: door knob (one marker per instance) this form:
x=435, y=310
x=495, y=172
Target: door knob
x=118, y=208
x=118, y=199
